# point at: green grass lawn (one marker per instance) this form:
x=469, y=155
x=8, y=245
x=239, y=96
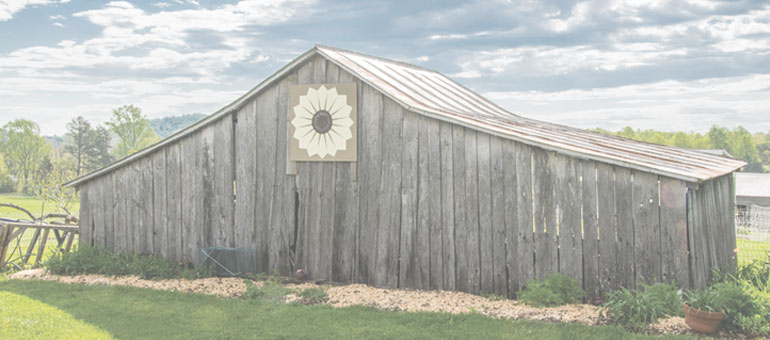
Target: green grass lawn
x=34, y=205
x=751, y=250
x=134, y=313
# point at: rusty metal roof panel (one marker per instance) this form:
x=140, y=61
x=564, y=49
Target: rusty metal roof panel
x=431, y=93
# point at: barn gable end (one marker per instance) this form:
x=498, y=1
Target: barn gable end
x=433, y=202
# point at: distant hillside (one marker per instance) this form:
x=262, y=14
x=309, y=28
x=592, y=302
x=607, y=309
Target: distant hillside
x=166, y=126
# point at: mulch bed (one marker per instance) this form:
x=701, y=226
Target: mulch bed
x=388, y=299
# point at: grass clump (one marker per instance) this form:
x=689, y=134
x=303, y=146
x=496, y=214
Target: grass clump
x=554, y=290
x=635, y=309
x=313, y=296
x=95, y=260
x=271, y=290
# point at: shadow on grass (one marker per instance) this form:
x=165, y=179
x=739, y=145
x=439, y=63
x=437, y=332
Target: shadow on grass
x=136, y=313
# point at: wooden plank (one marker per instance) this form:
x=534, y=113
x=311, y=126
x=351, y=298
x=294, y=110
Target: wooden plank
x=460, y=227
x=135, y=215
x=97, y=214
x=423, y=251
x=281, y=243
x=174, y=203
x=303, y=180
x=646, y=228
x=409, y=264
x=673, y=232
x=369, y=162
x=223, y=177
x=41, y=248
x=472, y=212
x=590, y=230
x=486, y=236
x=267, y=123
x=5, y=240
x=390, y=196
x=189, y=207
x=607, y=228
x=108, y=208
x=208, y=235
x=434, y=205
x=84, y=239
x=245, y=175
x=624, y=208
x=730, y=222
x=497, y=210
x=510, y=216
x=148, y=229
x=345, y=210
x=568, y=199
x=122, y=194
x=546, y=253
x=159, y=206
x=70, y=239
x=525, y=215
x=447, y=205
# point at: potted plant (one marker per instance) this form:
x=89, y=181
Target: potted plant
x=702, y=310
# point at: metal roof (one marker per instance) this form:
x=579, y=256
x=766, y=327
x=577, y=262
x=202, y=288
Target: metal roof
x=749, y=184
x=432, y=94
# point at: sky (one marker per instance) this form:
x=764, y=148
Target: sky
x=667, y=65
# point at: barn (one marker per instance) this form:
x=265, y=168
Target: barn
x=356, y=168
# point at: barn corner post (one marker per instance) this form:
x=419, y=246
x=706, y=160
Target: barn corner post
x=711, y=228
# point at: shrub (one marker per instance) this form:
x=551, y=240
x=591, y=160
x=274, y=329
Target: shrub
x=555, y=290
x=635, y=309
x=95, y=260
x=312, y=296
x=271, y=291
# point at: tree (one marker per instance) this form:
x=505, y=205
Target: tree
x=77, y=141
x=88, y=146
x=133, y=130
x=50, y=188
x=24, y=150
x=98, y=155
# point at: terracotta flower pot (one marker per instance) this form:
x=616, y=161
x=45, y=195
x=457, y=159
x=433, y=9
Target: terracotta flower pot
x=701, y=320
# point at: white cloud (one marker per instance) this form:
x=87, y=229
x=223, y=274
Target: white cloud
x=667, y=105
x=10, y=7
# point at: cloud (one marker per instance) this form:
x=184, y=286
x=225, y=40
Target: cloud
x=10, y=7
x=666, y=105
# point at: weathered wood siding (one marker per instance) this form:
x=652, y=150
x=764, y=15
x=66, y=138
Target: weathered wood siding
x=428, y=205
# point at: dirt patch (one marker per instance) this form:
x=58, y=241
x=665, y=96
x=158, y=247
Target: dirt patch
x=388, y=299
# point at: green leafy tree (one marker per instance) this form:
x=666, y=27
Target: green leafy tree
x=98, y=155
x=88, y=146
x=133, y=130
x=24, y=151
x=50, y=188
x=77, y=141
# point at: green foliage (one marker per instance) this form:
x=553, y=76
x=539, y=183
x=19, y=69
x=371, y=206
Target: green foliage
x=739, y=142
x=95, y=260
x=271, y=290
x=166, y=126
x=555, y=290
x=51, y=190
x=312, y=296
x=706, y=299
x=635, y=309
x=133, y=130
x=745, y=297
x=134, y=313
x=89, y=146
x=24, y=151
